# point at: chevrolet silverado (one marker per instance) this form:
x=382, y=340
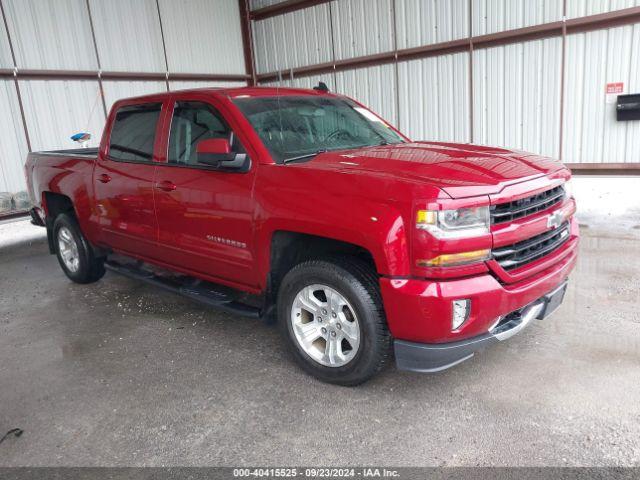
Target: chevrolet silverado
x=303, y=207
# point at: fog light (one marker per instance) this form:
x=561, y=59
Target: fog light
x=460, y=312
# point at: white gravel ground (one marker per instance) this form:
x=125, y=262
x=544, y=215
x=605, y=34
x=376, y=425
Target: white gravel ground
x=14, y=232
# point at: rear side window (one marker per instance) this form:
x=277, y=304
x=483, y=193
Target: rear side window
x=134, y=132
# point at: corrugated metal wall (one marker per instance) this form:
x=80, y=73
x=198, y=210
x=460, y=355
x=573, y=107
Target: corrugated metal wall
x=580, y=8
x=131, y=27
x=293, y=40
x=593, y=60
x=362, y=27
x=203, y=36
x=517, y=96
x=371, y=86
x=424, y=22
x=516, y=93
x=434, y=98
x=255, y=4
x=55, y=109
x=51, y=34
x=5, y=51
x=200, y=36
x=491, y=16
x=13, y=146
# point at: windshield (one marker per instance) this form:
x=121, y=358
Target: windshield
x=292, y=127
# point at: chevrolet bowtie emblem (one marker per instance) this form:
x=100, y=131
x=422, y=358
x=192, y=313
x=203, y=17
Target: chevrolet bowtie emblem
x=555, y=219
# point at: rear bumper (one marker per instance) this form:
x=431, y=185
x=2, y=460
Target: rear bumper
x=422, y=357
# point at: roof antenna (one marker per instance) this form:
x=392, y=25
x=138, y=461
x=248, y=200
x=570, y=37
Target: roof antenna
x=321, y=87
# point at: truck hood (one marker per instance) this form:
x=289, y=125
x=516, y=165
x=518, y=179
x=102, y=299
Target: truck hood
x=461, y=170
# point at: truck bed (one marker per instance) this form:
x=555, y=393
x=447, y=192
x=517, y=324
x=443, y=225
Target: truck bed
x=66, y=172
x=71, y=152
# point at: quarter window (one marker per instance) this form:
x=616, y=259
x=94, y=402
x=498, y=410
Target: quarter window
x=134, y=132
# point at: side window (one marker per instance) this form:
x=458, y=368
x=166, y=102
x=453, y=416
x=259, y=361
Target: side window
x=193, y=122
x=134, y=132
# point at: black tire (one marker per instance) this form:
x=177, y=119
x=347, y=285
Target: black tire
x=357, y=282
x=90, y=268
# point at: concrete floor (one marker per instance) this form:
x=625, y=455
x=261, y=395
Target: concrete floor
x=119, y=373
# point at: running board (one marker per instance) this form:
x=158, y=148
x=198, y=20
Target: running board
x=191, y=289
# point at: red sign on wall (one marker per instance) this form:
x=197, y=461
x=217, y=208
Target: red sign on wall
x=617, y=87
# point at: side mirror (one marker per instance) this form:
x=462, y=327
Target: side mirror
x=213, y=151
x=216, y=152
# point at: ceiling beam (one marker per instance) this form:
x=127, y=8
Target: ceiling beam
x=44, y=74
x=284, y=7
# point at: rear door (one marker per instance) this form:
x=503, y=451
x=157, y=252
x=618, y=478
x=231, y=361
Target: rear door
x=123, y=180
x=205, y=216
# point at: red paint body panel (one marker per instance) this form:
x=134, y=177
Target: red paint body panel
x=421, y=309
x=219, y=225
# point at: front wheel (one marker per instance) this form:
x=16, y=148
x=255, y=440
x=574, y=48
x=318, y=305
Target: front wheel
x=332, y=317
x=75, y=254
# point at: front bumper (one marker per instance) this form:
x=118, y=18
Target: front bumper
x=420, y=310
x=423, y=357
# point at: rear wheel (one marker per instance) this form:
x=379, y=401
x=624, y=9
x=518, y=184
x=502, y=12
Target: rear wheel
x=332, y=317
x=75, y=254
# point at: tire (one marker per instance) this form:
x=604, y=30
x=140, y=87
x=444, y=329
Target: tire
x=356, y=284
x=75, y=254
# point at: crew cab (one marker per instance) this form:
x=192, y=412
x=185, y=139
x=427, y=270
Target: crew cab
x=304, y=208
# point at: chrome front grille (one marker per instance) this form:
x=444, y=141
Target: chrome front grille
x=531, y=249
x=506, y=212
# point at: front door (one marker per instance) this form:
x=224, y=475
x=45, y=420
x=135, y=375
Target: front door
x=205, y=216
x=123, y=180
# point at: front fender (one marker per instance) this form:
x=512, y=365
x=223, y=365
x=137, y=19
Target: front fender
x=378, y=229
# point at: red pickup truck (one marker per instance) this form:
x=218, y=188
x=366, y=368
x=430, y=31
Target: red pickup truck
x=305, y=208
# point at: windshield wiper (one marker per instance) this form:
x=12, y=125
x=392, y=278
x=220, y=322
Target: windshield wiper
x=306, y=155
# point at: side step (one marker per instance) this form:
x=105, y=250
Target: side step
x=191, y=288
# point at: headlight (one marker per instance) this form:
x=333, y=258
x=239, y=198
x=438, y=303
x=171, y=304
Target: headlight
x=461, y=223
x=568, y=189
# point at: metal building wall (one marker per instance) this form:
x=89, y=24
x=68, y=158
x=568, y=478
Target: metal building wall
x=424, y=22
x=13, y=146
x=362, y=27
x=256, y=4
x=305, y=82
x=517, y=96
x=491, y=16
x=5, y=50
x=434, y=98
x=509, y=95
x=50, y=36
x=130, y=27
x=594, y=59
x=203, y=36
x=185, y=85
x=371, y=86
x=293, y=40
x=55, y=109
x=581, y=8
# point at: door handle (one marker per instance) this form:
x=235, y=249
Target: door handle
x=166, y=186
x=104, y=178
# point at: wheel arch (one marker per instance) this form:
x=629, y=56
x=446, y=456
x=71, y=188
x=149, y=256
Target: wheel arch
x=54, y=205
x=289, y=248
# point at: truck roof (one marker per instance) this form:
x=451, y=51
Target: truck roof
x=238, y=92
